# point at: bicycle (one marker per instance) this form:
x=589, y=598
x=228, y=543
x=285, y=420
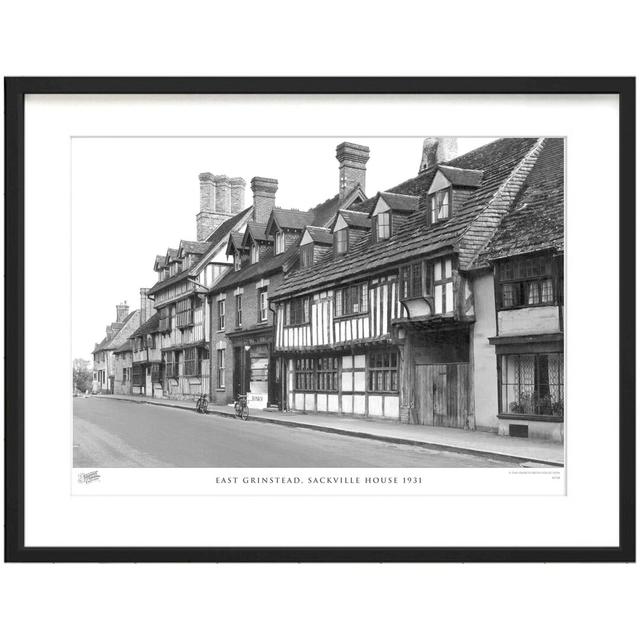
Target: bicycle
x=202, y=404
x=241, y=408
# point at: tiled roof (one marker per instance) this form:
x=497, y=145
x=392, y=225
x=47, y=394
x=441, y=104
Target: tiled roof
x=354, y=219
x=160, y=261
x=325, y=211
x=255, y=271
x=536, y=222
x=178, y=277
x=257, y=231
x=415, y=235
x=212, y=241
x=292, y=218
x=100, y=346
x=126, y=346
x=462, y=177
x=235, y=242
x=150, y=326
x=172, y=254
x=320, y=235
x=400, y=202
x=219, y=234
x=117, y=339
x=191, y=246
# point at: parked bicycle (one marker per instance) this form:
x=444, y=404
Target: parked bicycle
x=242, y=410
x=202, y=404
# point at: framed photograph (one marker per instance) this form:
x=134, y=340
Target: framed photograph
x=320, y=319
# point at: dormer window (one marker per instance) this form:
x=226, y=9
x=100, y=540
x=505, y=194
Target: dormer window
x=440, y=205
x=341, y=241
x=306, y=255
x=237, y=261
x=279, y=242
x=255, y=253
x=383, y=225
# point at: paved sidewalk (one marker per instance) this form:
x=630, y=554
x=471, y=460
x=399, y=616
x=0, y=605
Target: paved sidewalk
x=448, y=439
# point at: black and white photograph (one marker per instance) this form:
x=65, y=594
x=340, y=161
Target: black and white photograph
x=318, y=302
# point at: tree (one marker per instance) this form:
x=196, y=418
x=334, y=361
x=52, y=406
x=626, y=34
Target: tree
x=82, y=375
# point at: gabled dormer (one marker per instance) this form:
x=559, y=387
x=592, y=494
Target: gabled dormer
x=172, y=262
x=285, y=227
x=190, y=251
x=159, y=266
x=348, y=227
x=256, y=242
x=449, y=188
x=236, y=249
x=389, y=211
x=316, y=243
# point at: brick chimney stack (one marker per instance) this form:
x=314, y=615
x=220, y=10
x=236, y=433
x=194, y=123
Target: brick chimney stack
x=264, y=198
x=122, y=311
x=237, y=194
x=220, y=198
x=436, y=151
x=146, y=306
x=353, y=159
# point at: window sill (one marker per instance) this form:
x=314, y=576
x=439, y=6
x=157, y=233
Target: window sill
x=293, y=326
x=529, y=417
x=346, y=316
x=528, y=306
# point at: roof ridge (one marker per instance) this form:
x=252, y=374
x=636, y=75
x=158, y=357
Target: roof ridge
x=533, y=153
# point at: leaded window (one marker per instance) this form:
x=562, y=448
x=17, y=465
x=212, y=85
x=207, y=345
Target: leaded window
x=526, y=282
x=191, y=362
x=383, y=370
x=304, y=374
x=297, y=311
x=327, y=369
x=383, y=225
x=352, y=300
x=440, y=205
x=532, y=384
x=341, y=241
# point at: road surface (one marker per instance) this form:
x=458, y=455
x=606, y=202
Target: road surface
x=112, y=433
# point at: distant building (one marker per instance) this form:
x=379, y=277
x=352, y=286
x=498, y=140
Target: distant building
x=117, y=333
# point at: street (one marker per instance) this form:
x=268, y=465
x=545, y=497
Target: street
x=111, y=433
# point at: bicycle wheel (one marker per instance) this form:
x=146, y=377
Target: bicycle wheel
x=245, y=413
x=204, y=407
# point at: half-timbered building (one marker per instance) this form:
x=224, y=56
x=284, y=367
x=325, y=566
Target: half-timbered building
x=395, y=322
x=177, y=351
x=274, y=241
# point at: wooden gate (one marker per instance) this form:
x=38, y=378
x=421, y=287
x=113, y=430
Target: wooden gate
x=443, y=394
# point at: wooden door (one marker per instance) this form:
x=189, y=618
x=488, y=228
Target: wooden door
x=443, y=394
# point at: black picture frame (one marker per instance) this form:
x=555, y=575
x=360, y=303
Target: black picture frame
x=15, y=91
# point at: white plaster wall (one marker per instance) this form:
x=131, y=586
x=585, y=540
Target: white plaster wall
x=375, y=406
x=518, y=322
x=485, y=377
x=392, y=407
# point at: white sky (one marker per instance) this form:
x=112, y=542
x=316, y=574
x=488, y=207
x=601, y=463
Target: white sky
x=134, y=197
